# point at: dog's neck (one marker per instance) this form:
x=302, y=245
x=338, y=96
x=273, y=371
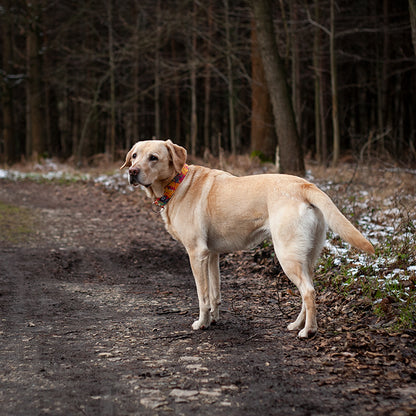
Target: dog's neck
x=171, y=187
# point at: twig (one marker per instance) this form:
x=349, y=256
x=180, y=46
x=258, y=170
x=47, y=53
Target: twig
x=174, y=337
x=167, y=312
x=250, y=338
x=370, y=141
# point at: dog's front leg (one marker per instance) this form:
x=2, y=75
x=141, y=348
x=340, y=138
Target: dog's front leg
x=199, y=264
x=214, y=286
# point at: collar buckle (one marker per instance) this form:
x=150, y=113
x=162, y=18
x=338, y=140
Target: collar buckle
x=157, y=209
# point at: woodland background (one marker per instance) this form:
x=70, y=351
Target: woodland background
x=91, y=77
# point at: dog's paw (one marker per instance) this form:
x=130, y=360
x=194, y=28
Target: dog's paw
x=307, y=333
x=215, y=316
x=200, y=324
x=293, y=326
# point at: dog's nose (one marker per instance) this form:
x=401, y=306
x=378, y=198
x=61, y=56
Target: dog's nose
x=134, y=171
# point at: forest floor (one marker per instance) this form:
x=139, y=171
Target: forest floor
x=96, y=306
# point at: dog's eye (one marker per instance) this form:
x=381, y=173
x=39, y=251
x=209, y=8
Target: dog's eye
x=153, y=158
x=134, y=155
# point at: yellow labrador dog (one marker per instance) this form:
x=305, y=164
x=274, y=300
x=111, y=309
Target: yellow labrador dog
x=211, y=212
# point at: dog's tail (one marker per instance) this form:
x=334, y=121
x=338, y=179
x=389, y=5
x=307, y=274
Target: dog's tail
x=335, y=219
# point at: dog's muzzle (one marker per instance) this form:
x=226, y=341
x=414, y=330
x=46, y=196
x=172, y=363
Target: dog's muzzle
x=134, y=180
x=134, y=176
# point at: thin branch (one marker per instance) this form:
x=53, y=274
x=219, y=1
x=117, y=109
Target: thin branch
x=313, y=23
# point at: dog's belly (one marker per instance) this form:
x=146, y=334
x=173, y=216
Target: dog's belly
x=240, y=237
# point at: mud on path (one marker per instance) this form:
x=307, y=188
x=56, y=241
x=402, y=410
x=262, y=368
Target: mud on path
x=96, y=306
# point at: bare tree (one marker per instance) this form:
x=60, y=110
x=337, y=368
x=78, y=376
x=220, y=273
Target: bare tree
x=334, y=87
x=317, y=86
x=111, y=64
x=85, y=74
x=6, y=87
x=230, y=79
x=412, y=12
x=295, y=50
x=157, y=70
x=177, y=95
x=263, y=136
x=35, y=138
x=136, y=88
x=207, y=77
x=193, y=63
x=290, y=149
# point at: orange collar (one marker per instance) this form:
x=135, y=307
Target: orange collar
x=171, y=187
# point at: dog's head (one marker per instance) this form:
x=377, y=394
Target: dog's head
x=153, y=164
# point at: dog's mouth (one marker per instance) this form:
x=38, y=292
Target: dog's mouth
x=134, y=181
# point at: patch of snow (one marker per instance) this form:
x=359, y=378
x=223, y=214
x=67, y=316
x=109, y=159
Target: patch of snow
x=116, y=182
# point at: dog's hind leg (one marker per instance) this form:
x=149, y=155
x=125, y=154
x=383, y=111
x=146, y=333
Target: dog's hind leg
x=306, y=320
x=300, y=320
x=298, y=235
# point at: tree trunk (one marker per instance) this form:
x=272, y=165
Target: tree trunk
x=177, y=96
x=207, y=81
x=317, y=86
x=263, y=137
x=34, y=80
x=322, y=101
x=296, y=100
x=80, y=152
x=111, y=63
x=157, y=72
x=63, y=122
x=334, y=88
x=321, y=139
x=49, y=142
x=230, y=80
x=290, y=149
x=135, y=126
x=384, y=108
x=6, y=89
x=412, y=12
x=194, y=119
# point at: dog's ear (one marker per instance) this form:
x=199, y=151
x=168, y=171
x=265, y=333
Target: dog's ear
x=127, y=163
x=178, y=155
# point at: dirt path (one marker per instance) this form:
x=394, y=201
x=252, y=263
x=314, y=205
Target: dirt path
x=96, y=306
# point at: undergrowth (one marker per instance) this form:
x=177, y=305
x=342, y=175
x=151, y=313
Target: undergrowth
x=392, y=294
x=16, y=223
x=387, y=279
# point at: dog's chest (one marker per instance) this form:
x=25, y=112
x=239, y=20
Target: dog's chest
x=169, y=226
